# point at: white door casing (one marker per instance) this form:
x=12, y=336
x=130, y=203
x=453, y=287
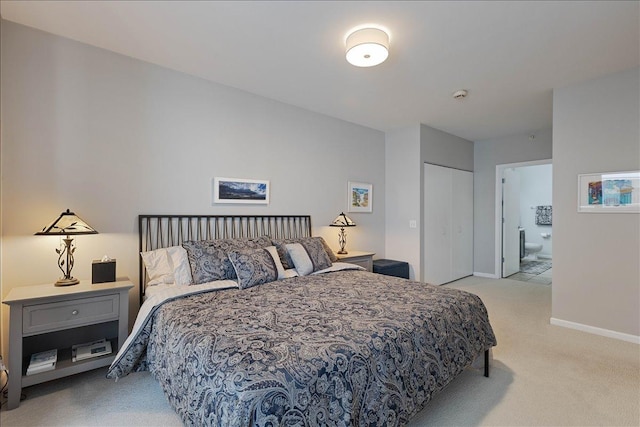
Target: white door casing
x=510, y=222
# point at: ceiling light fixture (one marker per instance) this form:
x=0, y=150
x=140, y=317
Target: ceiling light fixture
x=367, y=47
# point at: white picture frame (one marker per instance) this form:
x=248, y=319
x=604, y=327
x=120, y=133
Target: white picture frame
x=240, y=191
x=360, y=197
x=609, y=192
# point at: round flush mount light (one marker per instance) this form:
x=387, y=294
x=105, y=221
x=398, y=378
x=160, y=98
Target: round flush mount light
x=367, y=47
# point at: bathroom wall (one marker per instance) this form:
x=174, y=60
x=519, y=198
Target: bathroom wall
x=535, y=190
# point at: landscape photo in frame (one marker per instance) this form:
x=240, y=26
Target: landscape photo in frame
x=239, y=190
x=360, y=197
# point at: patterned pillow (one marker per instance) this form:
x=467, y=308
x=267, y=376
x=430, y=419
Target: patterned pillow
x=308, y=256
x=254, y=266
x=209, y=261
x=287, y=263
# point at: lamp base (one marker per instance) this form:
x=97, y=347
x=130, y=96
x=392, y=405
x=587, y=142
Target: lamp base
x=342, y=252
x=67, y=282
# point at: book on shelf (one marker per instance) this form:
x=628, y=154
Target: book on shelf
x=90, y=349
x=42, y=362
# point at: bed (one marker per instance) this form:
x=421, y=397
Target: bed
x=336, y=346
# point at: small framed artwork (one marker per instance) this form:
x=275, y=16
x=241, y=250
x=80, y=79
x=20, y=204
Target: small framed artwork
x=609, y=192
x=360, y=197
x=237, y=190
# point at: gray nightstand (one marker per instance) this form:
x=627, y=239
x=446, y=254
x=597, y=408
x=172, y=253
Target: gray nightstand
x=363, y=259
x=45, y=317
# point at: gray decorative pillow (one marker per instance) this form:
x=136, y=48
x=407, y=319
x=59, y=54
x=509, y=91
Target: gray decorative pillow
x=253, y=267
x=209, y=261
x=287, y=263
x=308, y=256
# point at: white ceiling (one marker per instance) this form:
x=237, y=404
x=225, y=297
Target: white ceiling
x=509, y=55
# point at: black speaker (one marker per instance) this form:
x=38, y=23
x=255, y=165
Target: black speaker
x=103, y=271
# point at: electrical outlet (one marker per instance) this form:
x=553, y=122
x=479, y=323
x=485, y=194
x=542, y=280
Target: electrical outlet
x=413, y=223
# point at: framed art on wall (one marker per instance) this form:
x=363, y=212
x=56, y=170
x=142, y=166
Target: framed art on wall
x=360, y=197
x=238, y=190
x=609, y=192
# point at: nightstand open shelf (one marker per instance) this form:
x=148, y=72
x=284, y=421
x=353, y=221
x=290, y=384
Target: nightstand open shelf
x=45, y=317
x=65, y=367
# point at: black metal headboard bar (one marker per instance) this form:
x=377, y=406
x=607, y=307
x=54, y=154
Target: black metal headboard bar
x=163, y=231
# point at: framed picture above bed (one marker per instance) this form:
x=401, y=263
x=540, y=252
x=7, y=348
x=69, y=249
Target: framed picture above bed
x=609, y=192
x=239, y=190
x=360, y=197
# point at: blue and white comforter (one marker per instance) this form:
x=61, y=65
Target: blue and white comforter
x=338, y=349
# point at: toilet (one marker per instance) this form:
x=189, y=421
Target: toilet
x=532, y=249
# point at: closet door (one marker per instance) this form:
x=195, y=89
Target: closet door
x=462, y=227
x=448, y=224
x=437, y=224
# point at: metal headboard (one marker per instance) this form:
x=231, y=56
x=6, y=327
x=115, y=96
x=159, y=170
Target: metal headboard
x=163, y=231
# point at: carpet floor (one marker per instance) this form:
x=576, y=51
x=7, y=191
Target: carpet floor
x=541, y=375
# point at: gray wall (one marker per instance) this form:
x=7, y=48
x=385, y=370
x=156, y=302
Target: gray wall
x=403, y=186
x=596, y=273
x=443, y=149
x=111, y=137
x=406, y=151
x=487, y=155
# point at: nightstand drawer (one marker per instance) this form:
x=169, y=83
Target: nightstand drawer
x=69, y=314
x=363, y=259
x=362, y=262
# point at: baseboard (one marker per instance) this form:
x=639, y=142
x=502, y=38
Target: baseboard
x=597, y=331
x=486, y=275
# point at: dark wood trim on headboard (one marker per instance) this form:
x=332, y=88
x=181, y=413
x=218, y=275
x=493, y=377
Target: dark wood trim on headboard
x=163, y=231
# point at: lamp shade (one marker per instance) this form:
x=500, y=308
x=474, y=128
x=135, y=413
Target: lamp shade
x=69, y=224
x=367, y=47
x=342, y=221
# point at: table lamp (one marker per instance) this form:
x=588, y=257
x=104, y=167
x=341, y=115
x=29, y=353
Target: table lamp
x=342, y=221
x=69, y=224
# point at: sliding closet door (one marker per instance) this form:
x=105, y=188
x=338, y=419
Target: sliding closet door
x=462, y=233
x=437, y=224
x=448, y=224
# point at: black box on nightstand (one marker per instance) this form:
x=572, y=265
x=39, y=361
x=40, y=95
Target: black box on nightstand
x=391, y=267
x=103, y=271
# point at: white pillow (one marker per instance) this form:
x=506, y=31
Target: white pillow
x=159, y=270
x=276, y=259
x=300, y=258
x=167, y=265
x=180, y=262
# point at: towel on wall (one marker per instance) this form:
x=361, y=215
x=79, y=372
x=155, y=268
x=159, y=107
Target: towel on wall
x=543, y=215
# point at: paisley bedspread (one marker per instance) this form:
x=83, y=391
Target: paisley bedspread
x=339, y=349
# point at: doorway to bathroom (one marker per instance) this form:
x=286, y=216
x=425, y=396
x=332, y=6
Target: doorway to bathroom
x=524, y=229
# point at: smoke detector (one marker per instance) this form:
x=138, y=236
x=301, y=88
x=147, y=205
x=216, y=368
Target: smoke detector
x=460, y=94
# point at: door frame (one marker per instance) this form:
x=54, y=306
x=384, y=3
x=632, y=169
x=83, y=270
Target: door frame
x=498, y=208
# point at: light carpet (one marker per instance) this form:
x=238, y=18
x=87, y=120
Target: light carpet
x=541, y=375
